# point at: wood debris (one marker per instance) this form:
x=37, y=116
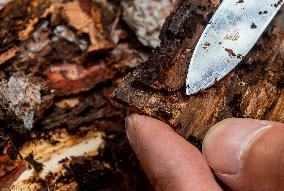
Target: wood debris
x=146, y=18
x=86, y=18
x=8, y=55
x=10, y=170
x=59, y=63
x=21, y=101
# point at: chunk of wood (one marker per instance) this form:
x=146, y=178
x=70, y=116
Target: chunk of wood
x=157, y=88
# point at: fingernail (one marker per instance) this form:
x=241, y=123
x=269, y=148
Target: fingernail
x=131, y=130
x=225, y=143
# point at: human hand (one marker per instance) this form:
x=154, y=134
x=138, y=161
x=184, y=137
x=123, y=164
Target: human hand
x=245, y=154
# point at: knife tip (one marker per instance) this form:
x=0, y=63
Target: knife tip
x=192, y=90
x=194, y=85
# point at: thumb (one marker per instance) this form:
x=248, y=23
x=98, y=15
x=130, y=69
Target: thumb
x=247, y=154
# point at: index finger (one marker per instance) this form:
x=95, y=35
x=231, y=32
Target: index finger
x=170, y=162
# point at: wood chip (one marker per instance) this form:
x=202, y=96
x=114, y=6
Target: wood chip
x=8, y=55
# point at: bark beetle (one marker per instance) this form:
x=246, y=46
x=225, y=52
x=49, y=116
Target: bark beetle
x=157, y=88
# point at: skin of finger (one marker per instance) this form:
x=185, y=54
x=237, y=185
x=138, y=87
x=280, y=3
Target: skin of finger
x=170, y=162
x=262, y=163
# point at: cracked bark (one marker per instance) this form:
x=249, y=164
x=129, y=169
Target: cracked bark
x=255, y=89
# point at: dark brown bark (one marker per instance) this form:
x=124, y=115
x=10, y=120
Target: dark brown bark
x=59, y=63
x=61, y=59
x=157, y=88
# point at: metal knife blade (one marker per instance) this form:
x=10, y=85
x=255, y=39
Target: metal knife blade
x=229, y=36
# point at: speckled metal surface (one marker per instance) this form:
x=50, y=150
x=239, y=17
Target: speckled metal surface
x=229, y=36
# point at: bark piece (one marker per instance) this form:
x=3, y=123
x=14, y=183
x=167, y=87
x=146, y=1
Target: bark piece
x=75, y=111
x=113, y=164
x=10, y=170
x=125, y=57
x=18, y=20
x=68, y=79
x=146, y=18
x=157, y=88
x=71, y=78
x=43, y=47
x=62, y=31
x=8, y=55
x=86, y=18
x=21, y=100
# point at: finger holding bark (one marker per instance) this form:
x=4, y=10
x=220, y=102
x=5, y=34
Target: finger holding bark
x=171, y=163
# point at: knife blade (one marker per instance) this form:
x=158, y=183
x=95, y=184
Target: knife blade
x=228, y=37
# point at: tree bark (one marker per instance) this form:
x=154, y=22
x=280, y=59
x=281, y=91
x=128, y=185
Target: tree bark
x=59, y=62
x=255, y=89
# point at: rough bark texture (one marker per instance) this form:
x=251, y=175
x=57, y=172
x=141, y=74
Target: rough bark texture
x=59, y=62
x=255, y=89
